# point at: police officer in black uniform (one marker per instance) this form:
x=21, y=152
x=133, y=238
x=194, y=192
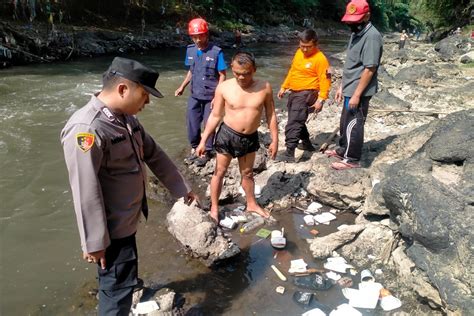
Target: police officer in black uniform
x=106, y=149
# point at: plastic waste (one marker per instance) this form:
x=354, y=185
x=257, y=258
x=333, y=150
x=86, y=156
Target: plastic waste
x=253, y=224
x=228, y=223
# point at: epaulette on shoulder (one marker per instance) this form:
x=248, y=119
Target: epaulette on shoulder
x=191, y=45
x=217, y=48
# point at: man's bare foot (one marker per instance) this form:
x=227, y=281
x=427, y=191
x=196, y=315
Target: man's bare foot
x=214, y=217
x=260, y=211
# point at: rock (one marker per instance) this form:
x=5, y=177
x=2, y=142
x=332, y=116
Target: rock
x=467, y=58
x=452, y=46
x=414, y=73
x=434, y=216
x=376, y=241
x=322, y=247
x=194, y=229
x=386, y=100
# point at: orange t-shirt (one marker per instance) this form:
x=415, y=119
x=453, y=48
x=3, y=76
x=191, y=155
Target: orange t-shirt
x=309, y=73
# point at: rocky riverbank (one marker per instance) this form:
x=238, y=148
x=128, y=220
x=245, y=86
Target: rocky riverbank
x=26, y=44
x=414, y=195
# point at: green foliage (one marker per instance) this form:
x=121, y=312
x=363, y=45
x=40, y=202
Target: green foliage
x=231, y=14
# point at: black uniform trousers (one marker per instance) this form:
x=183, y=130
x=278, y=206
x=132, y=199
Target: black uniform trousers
x=351, y=129
x=118, y=279
x=298, y=106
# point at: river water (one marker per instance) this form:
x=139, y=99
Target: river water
x=41, y=268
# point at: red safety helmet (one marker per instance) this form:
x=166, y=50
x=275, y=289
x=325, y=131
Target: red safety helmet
x=198, y=26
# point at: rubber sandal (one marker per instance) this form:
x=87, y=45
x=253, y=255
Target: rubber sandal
x=333, y=153
x=314, y=281
x=344, y=165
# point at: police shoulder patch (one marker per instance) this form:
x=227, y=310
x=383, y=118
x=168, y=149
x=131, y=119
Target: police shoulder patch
x=85, y=141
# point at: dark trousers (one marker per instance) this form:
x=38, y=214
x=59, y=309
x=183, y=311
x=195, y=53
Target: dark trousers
x=197, y=114
x=118, y=279
x=298, y=111
x=351, y=129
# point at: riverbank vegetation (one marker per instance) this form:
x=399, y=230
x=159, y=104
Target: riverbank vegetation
x=227, y=14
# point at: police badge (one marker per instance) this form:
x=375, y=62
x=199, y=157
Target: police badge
x=85, y=141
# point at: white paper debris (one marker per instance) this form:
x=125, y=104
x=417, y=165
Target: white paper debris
x=297, y=266
x=313, y=208
x=325, y=217
x=314, y=312
x=345, y=310
x=333, y=275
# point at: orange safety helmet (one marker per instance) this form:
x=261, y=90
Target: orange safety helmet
x=198, y=26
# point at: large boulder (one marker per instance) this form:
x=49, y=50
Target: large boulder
x=429, y=198
x=194, y=229
x=453, y=46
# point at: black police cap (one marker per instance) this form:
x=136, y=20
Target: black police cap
x=134, y=71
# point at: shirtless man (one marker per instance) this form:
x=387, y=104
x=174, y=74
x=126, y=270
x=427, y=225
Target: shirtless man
x=239, y=102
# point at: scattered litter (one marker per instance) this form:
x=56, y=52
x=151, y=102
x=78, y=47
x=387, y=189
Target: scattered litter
x=309, y=220
x=278, y=273
x=228, y=222
x=333, y=211
x=345, y=282
x=280, y=289
x=313, y=208
x=333, y=276
x=371, y=257
x=379, y=272
x=254, y=223
x=389, y=302
x=314, y=232
x=303, y=193
x=335, y=254
x=324, y=218
x=298, y=266
x=366, y=297
x=240, y=208
x=263, y=233
x=353, y=271
x=257, y=191
x=337, y=264
x=277, y=239
x=341, y=227
x=302, y=298
x=345, y=310
x=239, y=218
x=366, y=276
x=316, y=281
x=145, y=307
x=314, y=312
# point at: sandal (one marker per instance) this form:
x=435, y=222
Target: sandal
x=344, y=165
x=314, y=281
x=333, y=153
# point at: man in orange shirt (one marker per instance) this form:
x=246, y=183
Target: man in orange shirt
x=308, y=82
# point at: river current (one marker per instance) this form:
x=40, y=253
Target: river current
x=41, y=266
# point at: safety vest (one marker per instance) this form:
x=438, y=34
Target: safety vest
x=204, y=69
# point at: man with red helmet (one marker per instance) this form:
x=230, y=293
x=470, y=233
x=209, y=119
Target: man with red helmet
x=207, y=69
x=359, y=83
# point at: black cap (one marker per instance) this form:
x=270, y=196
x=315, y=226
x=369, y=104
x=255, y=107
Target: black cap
x=134, y=71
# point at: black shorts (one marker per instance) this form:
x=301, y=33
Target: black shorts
x=235, y=144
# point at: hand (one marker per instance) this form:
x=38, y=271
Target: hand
x=95, y=257
x=339, y=94
x=191, y=197
x=318, y=106
x=354, y=102
x=179, y=92
x=273, y=149
x=281, y=93
x=201, y=150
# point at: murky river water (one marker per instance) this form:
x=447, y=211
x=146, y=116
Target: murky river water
x=41, y=268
